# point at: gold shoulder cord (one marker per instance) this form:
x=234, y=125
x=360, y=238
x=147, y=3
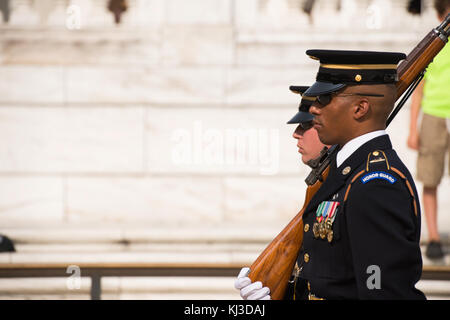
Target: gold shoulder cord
x=408, y=185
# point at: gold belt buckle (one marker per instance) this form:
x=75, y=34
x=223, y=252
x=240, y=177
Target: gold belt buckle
x=312, y=296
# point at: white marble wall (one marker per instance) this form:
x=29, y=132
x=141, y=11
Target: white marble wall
x=93, y=121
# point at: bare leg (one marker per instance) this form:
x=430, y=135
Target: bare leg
x=430, y=207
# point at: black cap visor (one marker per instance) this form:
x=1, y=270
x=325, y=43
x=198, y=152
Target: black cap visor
x=301, y=117
x=320, y=87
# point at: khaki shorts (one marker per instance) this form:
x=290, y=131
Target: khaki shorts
x=434, y=141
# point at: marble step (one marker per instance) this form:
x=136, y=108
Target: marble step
x=125, y=296
x=153, y=288
x=229, y=244
x=227, y=258
x=121, y=288
x=127, y=235
x=36, y=237
x=119, y=284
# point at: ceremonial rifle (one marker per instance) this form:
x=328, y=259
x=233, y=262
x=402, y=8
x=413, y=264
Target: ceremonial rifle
x=274, y=265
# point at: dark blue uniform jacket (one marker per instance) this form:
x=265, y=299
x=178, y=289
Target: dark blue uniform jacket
x=374, y=250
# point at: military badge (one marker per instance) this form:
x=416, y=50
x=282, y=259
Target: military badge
x=325, y=215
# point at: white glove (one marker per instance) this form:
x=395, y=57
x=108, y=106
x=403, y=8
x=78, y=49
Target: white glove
x=251, y=290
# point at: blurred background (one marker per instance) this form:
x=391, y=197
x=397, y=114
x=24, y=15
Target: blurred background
x=154, y=132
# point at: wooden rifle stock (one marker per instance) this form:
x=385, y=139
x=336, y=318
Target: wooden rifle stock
x=419, y=58
x=274, y=265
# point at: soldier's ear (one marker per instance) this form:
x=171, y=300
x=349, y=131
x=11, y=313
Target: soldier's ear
x=361, y=108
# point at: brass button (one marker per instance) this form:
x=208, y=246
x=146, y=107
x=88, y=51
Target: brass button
x=309, y=286
x=306, y=228
x=346, y=170
x=358, y=77
x=306, y=257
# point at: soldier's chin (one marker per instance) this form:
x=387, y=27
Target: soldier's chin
x=305, y=158
x=325, y=139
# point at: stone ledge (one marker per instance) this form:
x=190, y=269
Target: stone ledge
x=434, y=287
x=331, y=38
x=119, y=285
x=234, y=258
x=153, y=288
x=162, y=285
x=144, y=247
x=208, y=233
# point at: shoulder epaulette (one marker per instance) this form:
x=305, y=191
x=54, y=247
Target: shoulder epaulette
x=377, y=159
x=378, y=167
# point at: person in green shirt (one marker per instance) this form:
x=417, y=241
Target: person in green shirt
x=433, y=139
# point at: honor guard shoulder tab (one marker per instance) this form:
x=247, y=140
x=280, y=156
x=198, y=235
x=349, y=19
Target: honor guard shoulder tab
x=377, y=167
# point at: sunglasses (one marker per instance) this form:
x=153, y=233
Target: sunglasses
x=325, y=99
x=304, y=126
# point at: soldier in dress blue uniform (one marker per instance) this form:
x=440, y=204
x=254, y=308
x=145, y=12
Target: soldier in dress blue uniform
x=311, y=150
x=362, y=228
